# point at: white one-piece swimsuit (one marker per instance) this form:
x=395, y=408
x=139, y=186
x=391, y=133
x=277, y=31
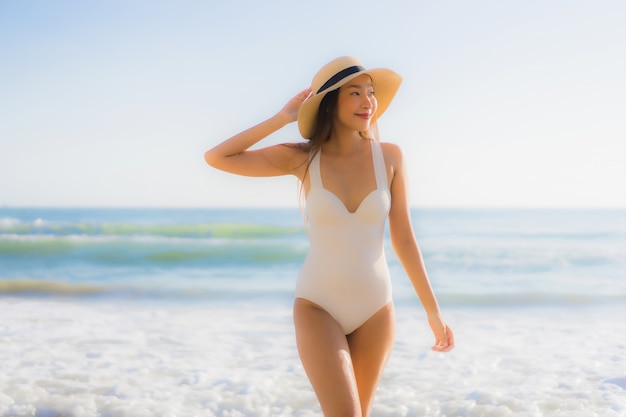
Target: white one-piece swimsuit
x=345, y=271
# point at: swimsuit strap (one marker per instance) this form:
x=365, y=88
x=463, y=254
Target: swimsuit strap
x=380, y=171
x=314, y=171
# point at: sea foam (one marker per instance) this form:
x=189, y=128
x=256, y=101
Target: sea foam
x=130, y=359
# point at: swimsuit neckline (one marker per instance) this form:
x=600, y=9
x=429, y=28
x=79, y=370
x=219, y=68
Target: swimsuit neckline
x=321, y=181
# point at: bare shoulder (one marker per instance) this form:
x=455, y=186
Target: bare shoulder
x=296, y=147
x=393, y=154
x=295, y=154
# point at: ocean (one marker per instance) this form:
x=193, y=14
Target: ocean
x=187, y=312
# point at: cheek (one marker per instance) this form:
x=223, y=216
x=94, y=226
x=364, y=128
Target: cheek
x=374, y=104
x=344, y=106
x=344, y=101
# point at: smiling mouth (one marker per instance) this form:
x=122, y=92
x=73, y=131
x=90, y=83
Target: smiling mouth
x=364, y=116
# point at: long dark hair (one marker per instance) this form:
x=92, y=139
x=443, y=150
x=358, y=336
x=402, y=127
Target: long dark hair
x=324, y=123
x=324, y=120
x=323, y=129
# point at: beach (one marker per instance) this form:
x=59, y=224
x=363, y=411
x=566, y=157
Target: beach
x=188, y=313
x=64, y=357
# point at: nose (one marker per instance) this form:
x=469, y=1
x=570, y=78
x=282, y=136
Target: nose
x=366, y=102
x=369, y=102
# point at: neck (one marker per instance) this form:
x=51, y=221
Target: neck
x=344, y=144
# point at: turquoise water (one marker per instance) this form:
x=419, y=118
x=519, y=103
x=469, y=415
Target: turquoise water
x=474, y=257
x=149, y=312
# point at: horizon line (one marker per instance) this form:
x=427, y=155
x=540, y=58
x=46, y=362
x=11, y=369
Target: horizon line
x=289, y=207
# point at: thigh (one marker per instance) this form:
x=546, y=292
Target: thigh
x=370, y=348
x=325, y=355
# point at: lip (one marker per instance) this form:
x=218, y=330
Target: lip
x=364, y=116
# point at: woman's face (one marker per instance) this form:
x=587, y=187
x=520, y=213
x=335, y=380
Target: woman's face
x=356, y=104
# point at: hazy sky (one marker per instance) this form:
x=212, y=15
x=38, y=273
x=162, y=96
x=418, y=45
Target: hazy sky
x=504, y=103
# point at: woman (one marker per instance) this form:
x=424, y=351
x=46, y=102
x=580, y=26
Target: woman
x=343, y=310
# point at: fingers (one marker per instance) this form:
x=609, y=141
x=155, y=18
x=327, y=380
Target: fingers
x=441, y=347
x=303, y=95
x=290, y=110
x=446, y=343
x=450, y=337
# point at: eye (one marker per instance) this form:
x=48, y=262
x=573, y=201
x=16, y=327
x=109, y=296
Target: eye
x=371, y=93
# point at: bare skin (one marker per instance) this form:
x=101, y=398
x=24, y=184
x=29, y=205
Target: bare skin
x=344, y=370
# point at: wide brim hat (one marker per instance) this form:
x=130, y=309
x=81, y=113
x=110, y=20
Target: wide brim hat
x=335, y=74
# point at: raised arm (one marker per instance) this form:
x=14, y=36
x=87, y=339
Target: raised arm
x=408, y=251
x=233, y=155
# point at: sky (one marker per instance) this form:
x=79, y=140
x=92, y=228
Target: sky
x=503, y=103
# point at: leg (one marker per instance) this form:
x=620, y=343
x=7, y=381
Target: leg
x=370, y=347
x=325, y=355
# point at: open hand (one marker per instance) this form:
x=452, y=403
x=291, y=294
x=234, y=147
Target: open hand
x=290, y=111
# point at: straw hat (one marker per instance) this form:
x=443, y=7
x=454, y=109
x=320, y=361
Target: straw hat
x=335, y=74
